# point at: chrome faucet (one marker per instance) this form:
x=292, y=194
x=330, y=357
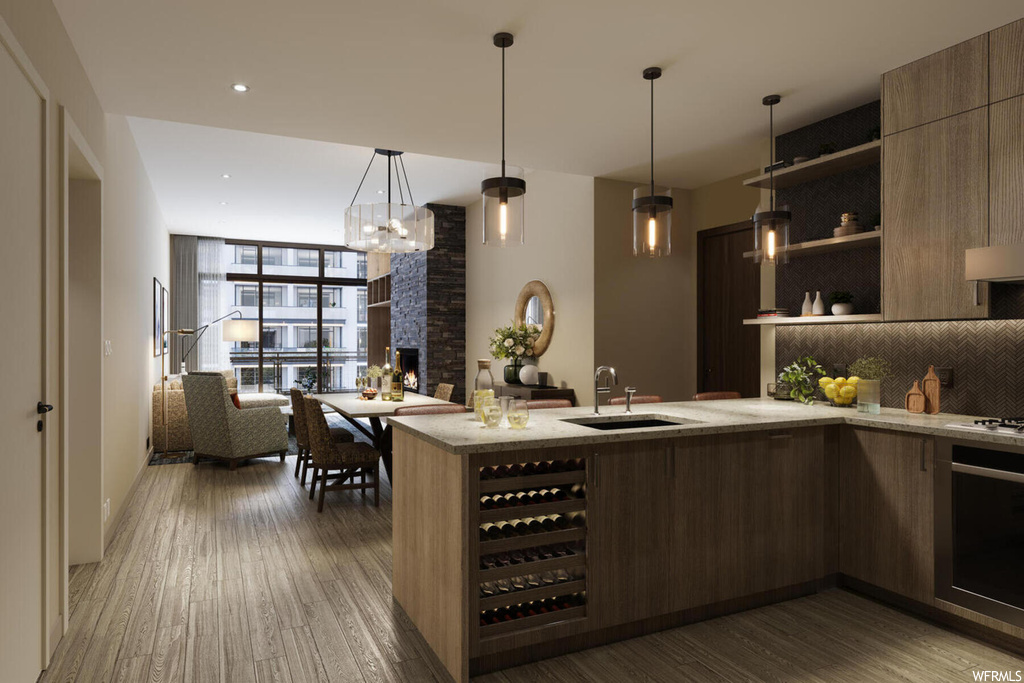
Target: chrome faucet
x=598, y=389
x=629, y=398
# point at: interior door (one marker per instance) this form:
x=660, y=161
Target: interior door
x=22, y=197
x=728, y=290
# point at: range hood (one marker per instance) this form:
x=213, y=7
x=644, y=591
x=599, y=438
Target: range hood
x=996, y=264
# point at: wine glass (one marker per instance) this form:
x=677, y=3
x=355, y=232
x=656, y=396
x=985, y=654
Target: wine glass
x=491, y=412
x=479, y=397
x=518, y=414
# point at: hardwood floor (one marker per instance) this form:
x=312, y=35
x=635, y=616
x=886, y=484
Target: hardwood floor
x=232, y=576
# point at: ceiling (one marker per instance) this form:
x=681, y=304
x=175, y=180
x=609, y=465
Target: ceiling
x=424, y=76
x=278, y=185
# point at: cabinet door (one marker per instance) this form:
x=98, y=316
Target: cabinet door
x=628, y=532
x=935, y=199
x=1006, y=49
x=1006, y=172
x=886, y=516
x=749, y=513
x=940, y=85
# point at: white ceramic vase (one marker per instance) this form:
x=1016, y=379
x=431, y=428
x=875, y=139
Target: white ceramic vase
x=808, y=307
x=529, y=375
x=819, y=305
x=842, y=309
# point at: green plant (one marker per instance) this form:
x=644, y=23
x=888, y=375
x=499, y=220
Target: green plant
x=801, y=376
x=870, y=367
x=514, y=341
x=840, y=297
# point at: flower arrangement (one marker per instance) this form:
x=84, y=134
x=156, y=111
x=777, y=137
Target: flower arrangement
x=514, y=341
x=374, y=371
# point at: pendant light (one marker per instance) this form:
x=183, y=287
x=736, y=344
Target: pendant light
x=771, y=228
x=389, y=228
x=652, y=207
x=504, y=196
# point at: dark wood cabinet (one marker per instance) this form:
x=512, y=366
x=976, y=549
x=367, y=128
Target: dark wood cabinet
x=935, y=199
x=532, y=393
x=1006, y=172
x=944, y=84
x=886, y=517
x=1006, y=55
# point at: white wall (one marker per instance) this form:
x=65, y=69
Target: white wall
x=136, y=248
x=559, y=250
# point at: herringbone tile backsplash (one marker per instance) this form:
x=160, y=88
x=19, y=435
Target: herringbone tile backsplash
x=987, y=357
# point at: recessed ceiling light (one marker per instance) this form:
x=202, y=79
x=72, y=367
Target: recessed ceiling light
x=223, y=203
x=380, y=191
x=226, y=176
x=240, y=87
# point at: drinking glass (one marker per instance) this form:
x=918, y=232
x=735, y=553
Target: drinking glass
x=491, y=412
x=479, y=396
x=518, y=414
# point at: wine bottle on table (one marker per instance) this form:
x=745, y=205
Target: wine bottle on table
x=385, y=380
x=397, y=381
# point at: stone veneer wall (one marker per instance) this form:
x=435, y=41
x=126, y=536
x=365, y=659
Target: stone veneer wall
x=428, y=303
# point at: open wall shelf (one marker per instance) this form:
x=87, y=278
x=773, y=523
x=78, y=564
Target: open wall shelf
x=861, y=239
x=817, y=319
x=830, y=164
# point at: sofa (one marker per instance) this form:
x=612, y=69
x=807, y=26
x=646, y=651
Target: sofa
x=224, y=432
x=179, y=436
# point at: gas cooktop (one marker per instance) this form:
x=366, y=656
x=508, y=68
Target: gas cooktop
x=1009, y=426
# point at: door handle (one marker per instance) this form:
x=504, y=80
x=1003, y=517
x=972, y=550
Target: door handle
x=924, y=466
x=43, y=408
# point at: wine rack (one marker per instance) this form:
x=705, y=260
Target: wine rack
x=531, y=546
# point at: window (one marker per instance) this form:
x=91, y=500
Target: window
x=305, y=336
x=247, y=295
x=270, y=337
x=360, y=265
x=245, y=254
x=273, y=295
x=361, y=340
x=308, y=258
x=305, y=297
x=332, y=259
x=272, y=256
x=332, y=297
x=361, y=305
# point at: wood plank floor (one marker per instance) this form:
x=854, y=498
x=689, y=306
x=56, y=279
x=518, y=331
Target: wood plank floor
x=232, y=576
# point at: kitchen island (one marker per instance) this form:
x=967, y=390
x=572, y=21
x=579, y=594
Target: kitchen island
x=511, y=546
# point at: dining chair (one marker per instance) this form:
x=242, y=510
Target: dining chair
x=444, y=391
x=716, y=395
x=347, y=460
x=338, y=434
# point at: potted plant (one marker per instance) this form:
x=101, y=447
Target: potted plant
x=842, y=303
x=871, y=371
x=800, y=378
x=516, y=343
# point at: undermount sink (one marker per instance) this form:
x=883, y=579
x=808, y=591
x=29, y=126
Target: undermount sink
x=611, y=422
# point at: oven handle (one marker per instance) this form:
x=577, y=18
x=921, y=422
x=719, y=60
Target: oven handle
x=988, y=472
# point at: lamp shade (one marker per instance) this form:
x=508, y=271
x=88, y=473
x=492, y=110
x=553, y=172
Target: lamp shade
x=652, y=221
x=505, y=208
x=389, y=228
x=241, y=330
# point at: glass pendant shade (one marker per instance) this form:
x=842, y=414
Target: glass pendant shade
x=389, y=228
x=504, y=199
x=652, y=221
x=771, y=236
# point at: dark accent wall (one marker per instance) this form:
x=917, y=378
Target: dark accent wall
x=817, y=207
x=428, y=303
x=987, y=357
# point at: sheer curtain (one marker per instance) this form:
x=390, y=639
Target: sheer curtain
x=212, y=352
x=184, y=299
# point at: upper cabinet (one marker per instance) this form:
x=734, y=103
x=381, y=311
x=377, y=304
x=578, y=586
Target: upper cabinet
x=1006, y=171
x=1006, y=47
x=935, y=198
x=941, y=85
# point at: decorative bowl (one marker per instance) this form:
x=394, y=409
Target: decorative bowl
x=369, y=394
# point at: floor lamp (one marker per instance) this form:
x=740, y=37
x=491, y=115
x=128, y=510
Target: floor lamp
x=163, y=380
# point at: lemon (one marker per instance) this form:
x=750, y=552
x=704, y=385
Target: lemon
x=848, y=391
x=840, y=381
x=853, y=380
x=840, y=401
x=832, y=390
x=825, y=381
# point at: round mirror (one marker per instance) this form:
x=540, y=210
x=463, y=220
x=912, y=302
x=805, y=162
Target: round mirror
x=535, y=307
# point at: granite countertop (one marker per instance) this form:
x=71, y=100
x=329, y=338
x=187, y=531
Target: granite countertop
x=462, y=434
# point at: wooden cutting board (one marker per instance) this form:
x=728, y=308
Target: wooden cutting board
x=932, y=391
x=915, y=401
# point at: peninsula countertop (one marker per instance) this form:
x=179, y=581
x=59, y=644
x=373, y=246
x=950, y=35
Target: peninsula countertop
x=461, y=434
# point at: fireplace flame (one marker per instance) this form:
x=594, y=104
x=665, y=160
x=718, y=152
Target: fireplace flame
x=411, y=381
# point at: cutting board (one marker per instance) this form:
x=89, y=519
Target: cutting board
x=915, y=401
x=932, y=391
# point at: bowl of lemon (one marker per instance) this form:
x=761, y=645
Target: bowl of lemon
x=840, y=391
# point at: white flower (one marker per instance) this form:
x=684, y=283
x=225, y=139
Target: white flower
x=529, y=352
x=529, y=341
x=509, y=343
x=533, y=328
x=520, y=350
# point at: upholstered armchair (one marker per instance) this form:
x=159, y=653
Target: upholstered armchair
x=222, y=431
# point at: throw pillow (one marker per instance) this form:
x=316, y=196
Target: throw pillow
x=234, y=399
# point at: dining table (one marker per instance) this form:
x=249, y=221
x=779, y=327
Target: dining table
x=354, y=408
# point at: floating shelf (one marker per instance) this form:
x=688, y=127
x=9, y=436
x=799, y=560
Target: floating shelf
x=830, y=164
x=379, y=304
x=861, y=239
x=817, y=319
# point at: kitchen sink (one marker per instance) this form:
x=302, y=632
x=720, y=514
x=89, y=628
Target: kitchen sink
x=614, y=422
